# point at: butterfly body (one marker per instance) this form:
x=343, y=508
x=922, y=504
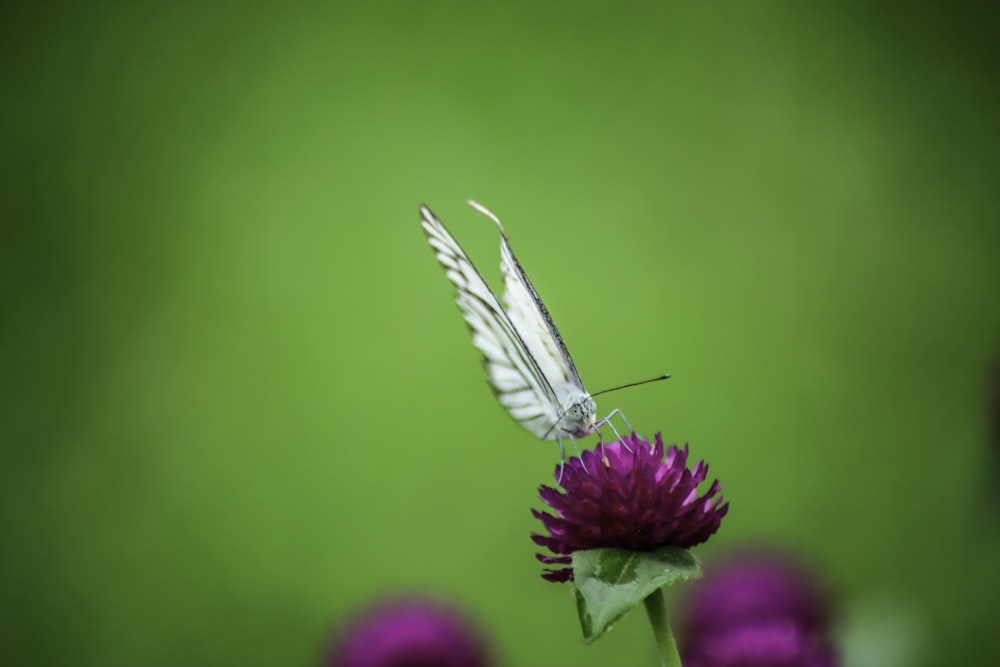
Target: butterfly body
x=579, y=412
x=526, y=361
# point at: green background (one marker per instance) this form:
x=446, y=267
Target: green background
x=238, y=400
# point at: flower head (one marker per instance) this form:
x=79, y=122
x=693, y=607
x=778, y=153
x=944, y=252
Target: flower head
x=757, y=608
x=409, y=632
x=753, y=586
x=632, y=498
x=762, y=644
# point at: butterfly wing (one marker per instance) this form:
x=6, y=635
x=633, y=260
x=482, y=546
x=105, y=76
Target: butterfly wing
x=514, y=373
x=530, y=316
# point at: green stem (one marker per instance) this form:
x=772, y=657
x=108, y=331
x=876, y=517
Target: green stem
x=656, y=609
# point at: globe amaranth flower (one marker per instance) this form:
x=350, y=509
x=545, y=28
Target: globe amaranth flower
x=758, y=584
x=759, y=608
x=761, y=644
x=630, y=498
x=409, y=632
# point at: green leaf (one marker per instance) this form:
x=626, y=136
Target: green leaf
x=609, y=582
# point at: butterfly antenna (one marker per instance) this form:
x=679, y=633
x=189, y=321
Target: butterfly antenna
x=485, y=211
x=632, y=384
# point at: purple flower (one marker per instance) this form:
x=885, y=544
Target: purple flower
x=753, y=586
x=409, y=632
x=761, y=644
x=634, y=500
x=759, y=608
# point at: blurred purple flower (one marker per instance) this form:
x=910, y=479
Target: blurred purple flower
x=409, y=632
x=758, y=608
x=756, y=586
x=636, y=500
x=761, y=644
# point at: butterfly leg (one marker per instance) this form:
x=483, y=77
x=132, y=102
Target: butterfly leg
x=607, y=421
x=562, y=460
x=578, y=454
x=562, y=457
x=562, y=451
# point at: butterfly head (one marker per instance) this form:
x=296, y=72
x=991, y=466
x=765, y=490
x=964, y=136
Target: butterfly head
x=580, y=416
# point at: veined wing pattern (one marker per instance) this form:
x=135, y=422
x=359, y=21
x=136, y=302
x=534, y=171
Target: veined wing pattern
x=523, y=353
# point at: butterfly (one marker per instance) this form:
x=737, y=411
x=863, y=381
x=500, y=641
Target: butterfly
x=527, y=363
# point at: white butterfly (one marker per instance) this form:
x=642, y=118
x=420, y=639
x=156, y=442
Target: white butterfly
x=527, y=363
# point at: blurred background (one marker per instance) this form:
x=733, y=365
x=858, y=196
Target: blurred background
x=237, y=399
